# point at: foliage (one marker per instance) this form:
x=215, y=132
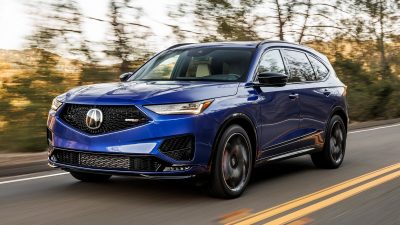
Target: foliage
x=360, y=38
x=128, y=40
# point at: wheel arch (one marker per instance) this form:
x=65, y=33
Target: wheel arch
x=337, y=110
x=242, y=120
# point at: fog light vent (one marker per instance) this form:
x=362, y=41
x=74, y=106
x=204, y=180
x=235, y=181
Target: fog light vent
x=178, y=148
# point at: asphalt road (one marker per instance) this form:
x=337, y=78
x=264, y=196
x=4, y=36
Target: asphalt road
x=288, y=192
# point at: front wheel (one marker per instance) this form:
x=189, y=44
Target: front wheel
x=232, y=164
x=90, y=177
x=335, y=145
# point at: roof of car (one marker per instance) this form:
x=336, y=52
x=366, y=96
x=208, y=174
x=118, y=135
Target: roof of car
x=217, y=44
x=254, y=44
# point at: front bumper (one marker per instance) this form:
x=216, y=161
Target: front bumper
x=121, y=164
x=141, y=141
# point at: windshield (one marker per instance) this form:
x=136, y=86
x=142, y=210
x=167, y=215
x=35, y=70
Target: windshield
x=198, y=64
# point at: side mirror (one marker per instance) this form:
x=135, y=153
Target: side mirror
x=272, y=79
x=125, y=76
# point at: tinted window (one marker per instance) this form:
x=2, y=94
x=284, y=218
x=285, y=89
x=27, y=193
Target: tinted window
x=320, y=69
x=300, y=67
x=271, y=62
x=164, y=69
x=204, y=63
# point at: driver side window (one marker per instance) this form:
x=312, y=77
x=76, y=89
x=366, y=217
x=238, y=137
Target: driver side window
x=271, y=62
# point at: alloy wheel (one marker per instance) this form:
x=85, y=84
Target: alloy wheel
x=236, y=162
x=337, y=142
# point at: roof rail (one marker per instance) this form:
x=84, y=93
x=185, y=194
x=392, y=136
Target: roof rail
x=275, y=41
x=179, y=45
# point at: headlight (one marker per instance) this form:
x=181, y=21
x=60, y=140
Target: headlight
x=181, y=108
x=55, y=104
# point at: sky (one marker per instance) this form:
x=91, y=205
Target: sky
x=15, y=23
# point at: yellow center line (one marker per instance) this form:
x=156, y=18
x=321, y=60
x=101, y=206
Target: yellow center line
x=332, y=200
x=262, y=215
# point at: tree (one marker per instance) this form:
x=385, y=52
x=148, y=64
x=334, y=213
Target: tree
x=283, y=14
x=128, y=41
x=298, y=19
x=215, y=20
x=57, y=29
x=383, y=16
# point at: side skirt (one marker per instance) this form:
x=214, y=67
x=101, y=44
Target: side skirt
x=287, y=155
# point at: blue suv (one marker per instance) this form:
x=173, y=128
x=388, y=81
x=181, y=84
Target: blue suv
x=215, y=109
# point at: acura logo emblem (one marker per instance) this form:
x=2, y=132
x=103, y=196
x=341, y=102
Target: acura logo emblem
x=94, y=118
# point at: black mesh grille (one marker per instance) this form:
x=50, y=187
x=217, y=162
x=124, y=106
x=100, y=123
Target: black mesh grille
x=114, y=117
x=143, y=164
x=104, y=161
x=178, y=148
x=66, y=157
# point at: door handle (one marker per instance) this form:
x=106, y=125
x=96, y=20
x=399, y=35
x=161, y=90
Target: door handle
x=327, y=92
x=294, y=96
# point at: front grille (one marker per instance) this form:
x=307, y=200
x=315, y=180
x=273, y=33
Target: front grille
x=105, y=161
x=178, y=148
x=115, y=118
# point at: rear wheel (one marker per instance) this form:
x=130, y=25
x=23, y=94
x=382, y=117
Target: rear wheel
x=232, y=164
x=335, y=145
x=90, y=177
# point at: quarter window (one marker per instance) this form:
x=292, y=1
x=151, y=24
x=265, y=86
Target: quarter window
x=320, y=69
x=271, y=62
x=300, y=67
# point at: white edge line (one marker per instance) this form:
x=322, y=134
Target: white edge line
x=375, y=128
x=32, y=178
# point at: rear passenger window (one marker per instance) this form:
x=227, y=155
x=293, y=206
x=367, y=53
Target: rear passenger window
x=271, y=62
x=320, y=69
x=300, y=67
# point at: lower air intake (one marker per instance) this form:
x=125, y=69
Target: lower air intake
x=179, y=148
x=105, y=161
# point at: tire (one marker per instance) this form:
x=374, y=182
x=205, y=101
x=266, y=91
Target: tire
x=332, y=155
x=90, y=177
x=232, y=164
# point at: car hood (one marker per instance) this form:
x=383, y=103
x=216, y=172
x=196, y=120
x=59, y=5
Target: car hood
x=150, y=92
